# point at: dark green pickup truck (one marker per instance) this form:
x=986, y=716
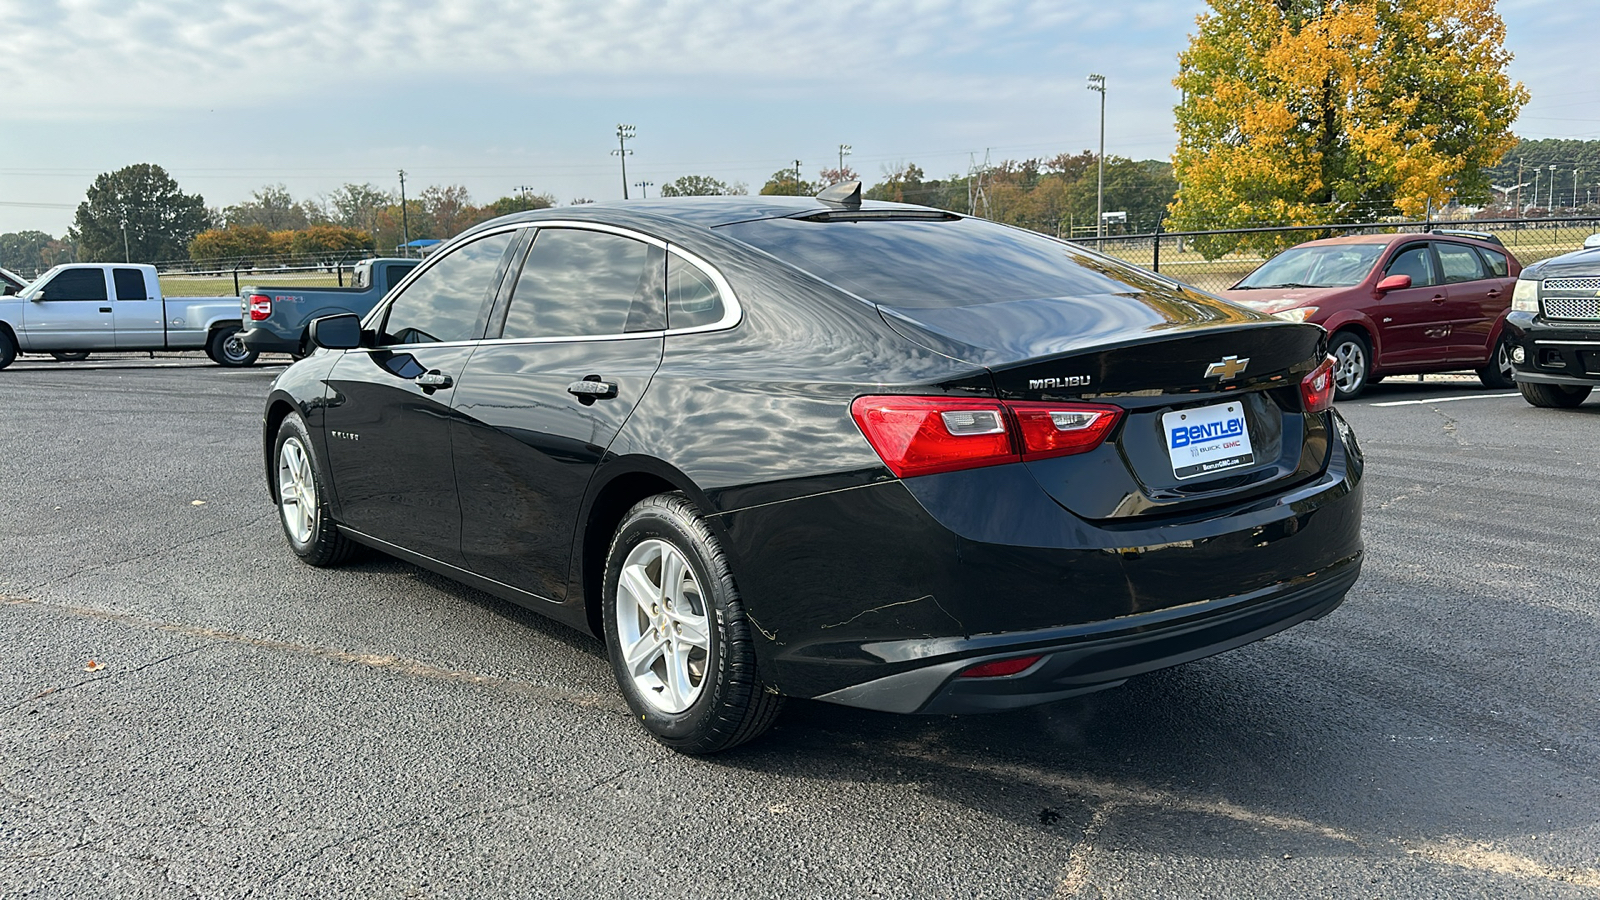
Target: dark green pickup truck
x=274, y=317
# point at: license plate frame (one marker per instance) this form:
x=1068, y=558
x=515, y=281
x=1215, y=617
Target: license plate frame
x=1207, y=440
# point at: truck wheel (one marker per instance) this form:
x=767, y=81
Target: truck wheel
x=70, y=355
x=227, y=348
x=302, y=505
x=677, y=634
x=1552, y=396
x=8, y=349
x=1497, y=374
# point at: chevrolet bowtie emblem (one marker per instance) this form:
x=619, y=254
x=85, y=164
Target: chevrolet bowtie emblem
x=1228, y=367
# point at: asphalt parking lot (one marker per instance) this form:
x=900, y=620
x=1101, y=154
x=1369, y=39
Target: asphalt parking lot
x=186, y=711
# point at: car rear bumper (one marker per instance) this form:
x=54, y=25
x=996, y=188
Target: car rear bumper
x=1091, y=658
x=263, y=341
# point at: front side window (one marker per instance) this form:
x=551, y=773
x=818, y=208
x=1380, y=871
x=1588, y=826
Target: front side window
x=447, y=302
x=1416, y=261
x=77, y=284
x=130, y=284
x=577, y=283
x=1460, y=263
x=692, y=297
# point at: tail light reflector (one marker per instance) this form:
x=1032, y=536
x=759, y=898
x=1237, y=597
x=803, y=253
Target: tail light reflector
x=927, y=435
x=1316, y=389
x=1001, y=667
x=260, y=307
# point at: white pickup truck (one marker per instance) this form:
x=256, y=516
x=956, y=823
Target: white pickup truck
x=74, y=310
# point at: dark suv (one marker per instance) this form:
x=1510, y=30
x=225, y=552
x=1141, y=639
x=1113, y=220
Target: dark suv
x=1395, y=304
x=1555, y=328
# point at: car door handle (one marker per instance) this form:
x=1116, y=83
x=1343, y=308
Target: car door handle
x=1494, y=292
x=434, y=379
x=105, y=309
x=592, y=388
x=1437, y=298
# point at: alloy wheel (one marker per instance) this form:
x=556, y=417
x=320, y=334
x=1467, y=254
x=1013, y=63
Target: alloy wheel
x=235, y=349
x=662, y=626
x=297, y=490
x=1349, y=366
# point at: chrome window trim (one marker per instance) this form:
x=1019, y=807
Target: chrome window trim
x=1571, y=343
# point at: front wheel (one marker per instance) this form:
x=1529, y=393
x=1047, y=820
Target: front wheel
x=8, y=349
x=1352, y=361
x=227, y=348
x=301, y=490
x=70, y=355
x=677, y=634
x=1553, y=396
x=1497, y=374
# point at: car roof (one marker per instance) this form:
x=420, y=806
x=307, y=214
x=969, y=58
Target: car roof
x=707, y=212
x=1387, y=239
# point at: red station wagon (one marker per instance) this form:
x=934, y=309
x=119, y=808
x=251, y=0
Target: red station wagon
x=1395, y=304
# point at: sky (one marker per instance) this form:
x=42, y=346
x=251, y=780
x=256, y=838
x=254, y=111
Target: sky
x=504, y=95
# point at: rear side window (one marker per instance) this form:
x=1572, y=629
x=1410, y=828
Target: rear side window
x=130, y=284
x=692, y=297
x=77, y=284
x=577, y=283
x=1460, y=263
x=1416, y=261
x=1495, y=262
x=913, y=263
x=448, y=302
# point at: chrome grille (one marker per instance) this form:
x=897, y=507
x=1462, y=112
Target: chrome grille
x=1572, y=307
x=1586, y=284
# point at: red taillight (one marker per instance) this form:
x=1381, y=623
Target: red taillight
x=927, y=435
x=1316, y=389
x=1001, y=667
x=260, y=307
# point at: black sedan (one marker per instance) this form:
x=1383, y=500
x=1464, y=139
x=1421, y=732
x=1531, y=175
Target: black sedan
x=868, y=453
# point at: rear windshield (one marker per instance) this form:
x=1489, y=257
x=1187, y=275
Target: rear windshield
x=921, y=264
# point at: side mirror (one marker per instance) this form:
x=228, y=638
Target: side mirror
x=341, y=332
x=1591, y=241
x=1394, y=283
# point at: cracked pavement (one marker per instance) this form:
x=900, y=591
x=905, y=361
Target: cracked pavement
x=253, y=727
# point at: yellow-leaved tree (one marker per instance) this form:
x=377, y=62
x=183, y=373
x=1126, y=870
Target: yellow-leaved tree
x=1305, y=112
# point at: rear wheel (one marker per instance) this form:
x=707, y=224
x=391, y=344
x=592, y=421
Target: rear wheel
x=70, y=355
x=1553, y=396
x=1352, y=360
x=676, y=631
x=227, y=348
x=8, y=349
x=1497, y=374
x=301, y=491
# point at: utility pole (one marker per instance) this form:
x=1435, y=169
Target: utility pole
x=1097, y=83
x=1551, y=203
x=1519, y=187
x=1574, y=188
x=644, y=188
x=844, y=150
x=797, y=178
x=405, y=219
x=624, y=134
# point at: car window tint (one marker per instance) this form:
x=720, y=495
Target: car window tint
x=577, y=283
x=446, y=303
x=911, y=263
x=1495, y=262
x=692, y=297
x=393, y=275
x=130, y=284
x=1416, y=261
x=77, y=284
x=1459, y=262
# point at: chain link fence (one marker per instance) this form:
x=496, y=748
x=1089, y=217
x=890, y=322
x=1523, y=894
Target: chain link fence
x=1175, y=253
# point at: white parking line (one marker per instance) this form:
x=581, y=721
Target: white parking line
x=1444, y=400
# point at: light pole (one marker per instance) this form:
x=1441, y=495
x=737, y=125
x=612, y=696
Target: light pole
x=1535, y=204
x=624, y=134
x=405, y=221
x=1098, y=83
x=1574, y=187
x=844, y=150
x=644, y=188
x=1551, y=203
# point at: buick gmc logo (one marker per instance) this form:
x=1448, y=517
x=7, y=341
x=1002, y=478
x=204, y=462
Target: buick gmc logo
x=1185, y=435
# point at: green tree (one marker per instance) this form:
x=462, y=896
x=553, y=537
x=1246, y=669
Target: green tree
x=358, y=205
x=522, y=202
x=701, y=186
x=137, y=213
x=786, y=183
x=29, y=252
x=1314, y=111
x=276, y=209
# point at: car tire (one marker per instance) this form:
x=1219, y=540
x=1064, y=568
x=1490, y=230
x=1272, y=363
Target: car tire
x=1497, y=374
x=228, y=349
x=301, y=491
x=70, y=355
x=1352, y=363
x=1553, y=396
x=8, y=349
x=677, y=634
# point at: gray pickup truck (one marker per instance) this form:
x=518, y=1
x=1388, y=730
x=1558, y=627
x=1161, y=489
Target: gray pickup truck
x=74, y=310
x=274, y=317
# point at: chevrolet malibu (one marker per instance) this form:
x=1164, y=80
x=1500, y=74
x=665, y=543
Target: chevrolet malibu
x=867, y=453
